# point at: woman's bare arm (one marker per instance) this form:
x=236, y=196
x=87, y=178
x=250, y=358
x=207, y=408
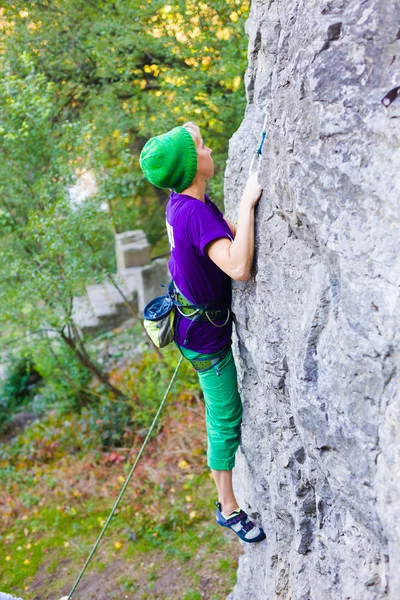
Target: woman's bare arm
x=235, y=258
x=231, y=226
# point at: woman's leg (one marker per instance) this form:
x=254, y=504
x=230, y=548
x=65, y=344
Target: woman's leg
x=226, y=497
x=223, y=421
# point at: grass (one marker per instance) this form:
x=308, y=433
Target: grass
x=56, y=535
x=163, y=541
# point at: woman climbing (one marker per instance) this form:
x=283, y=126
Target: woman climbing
x=207, y=251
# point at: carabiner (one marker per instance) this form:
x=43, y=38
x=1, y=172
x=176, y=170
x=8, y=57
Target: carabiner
x=258, y=153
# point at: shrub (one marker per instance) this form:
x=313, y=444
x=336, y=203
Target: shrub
x=18, y=387
x=65, y=380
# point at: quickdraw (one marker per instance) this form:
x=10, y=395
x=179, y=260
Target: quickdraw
x=258, y=152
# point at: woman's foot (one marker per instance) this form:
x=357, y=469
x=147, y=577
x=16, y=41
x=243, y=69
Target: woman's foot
x=241, y=524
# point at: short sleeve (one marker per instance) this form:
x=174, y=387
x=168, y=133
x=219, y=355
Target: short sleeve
x=206, y=225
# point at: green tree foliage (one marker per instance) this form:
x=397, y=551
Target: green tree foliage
x=48, y=250
x=83, y=85
x=129, y=70
x=16, y=389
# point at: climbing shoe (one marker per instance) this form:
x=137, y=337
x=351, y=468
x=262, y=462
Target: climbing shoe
x=241, y=524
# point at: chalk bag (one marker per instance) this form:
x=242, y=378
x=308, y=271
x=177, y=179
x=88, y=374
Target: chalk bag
x=159, y=315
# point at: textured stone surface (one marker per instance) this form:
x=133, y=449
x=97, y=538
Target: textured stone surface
x=104, y=306
x=148, y=280
x=318, y=324
x=132, y=249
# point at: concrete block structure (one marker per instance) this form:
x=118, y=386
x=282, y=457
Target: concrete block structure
x=138, y=280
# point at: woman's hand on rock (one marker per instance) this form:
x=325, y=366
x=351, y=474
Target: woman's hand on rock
x=252, y=191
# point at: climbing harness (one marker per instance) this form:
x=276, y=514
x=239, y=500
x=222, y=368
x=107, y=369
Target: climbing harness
x=203, y=365
x=258, y=152
x=198, y=313
x=127, y=480
x=228, y=315
x=162, y=315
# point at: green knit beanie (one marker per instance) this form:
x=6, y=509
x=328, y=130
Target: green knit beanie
x=170, y=160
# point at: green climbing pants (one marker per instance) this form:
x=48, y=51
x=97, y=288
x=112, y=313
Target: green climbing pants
x=223, y=409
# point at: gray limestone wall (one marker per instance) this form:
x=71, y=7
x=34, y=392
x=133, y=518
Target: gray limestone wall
x=318, y=323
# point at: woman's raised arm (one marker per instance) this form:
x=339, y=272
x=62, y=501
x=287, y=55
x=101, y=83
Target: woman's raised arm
x=235, y=258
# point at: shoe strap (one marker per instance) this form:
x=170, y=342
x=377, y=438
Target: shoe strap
x=237, y=518
x=248, y=526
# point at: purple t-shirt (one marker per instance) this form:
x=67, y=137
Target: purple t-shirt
x=191, y=225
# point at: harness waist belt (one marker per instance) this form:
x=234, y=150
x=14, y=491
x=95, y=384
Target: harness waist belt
x=190, y=311
x=205, y=365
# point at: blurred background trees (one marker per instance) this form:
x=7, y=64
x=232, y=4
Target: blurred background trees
x=83, y=85
x=118, y=73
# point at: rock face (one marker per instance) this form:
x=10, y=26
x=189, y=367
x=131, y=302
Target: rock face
x=318, y=323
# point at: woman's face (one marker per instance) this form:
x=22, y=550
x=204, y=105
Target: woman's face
x=205, y=163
